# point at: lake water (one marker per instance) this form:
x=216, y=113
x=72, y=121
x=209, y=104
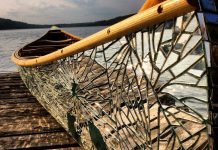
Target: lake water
x=11, y=40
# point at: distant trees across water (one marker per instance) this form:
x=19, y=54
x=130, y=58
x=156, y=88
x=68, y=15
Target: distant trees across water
x=6, y=24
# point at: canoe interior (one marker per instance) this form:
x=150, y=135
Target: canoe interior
x=50, y=42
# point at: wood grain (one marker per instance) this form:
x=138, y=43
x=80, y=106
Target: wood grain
x=24, y=123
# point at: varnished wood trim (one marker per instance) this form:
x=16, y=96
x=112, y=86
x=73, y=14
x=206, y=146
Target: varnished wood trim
x=149, y=4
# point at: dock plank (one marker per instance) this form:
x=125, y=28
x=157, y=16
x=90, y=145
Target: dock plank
x=46, y=140
x=19, y=125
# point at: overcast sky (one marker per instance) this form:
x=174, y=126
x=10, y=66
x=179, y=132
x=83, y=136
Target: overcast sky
x=66, y=11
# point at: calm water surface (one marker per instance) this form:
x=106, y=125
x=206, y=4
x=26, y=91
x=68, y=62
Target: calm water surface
x=11, y=40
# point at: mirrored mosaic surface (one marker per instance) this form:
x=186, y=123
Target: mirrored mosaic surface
x=147, y=90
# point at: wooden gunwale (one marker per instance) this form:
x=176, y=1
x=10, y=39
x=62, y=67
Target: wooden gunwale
x=149, y=4
x=154, y=15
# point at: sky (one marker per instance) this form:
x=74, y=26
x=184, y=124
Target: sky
x=66, y=11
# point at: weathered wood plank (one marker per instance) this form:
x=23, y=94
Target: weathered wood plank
x=15, y=95
x=11, y=75
x=11, y=91
x=12, y=83
x=18, y=101
x=43, y=141
x=19, y=125
x=33, y=109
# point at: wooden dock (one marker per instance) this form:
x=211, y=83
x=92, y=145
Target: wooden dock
x=24, y=123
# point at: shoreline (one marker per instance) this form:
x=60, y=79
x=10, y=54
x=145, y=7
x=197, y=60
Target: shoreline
x=51, y=26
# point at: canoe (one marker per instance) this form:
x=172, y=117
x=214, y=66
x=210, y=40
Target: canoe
x=54, y=39
x=143, y=83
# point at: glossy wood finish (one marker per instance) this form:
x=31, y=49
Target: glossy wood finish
x=149, y=4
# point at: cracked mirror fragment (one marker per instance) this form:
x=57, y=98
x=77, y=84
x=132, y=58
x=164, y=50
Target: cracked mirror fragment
x=147, y=90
